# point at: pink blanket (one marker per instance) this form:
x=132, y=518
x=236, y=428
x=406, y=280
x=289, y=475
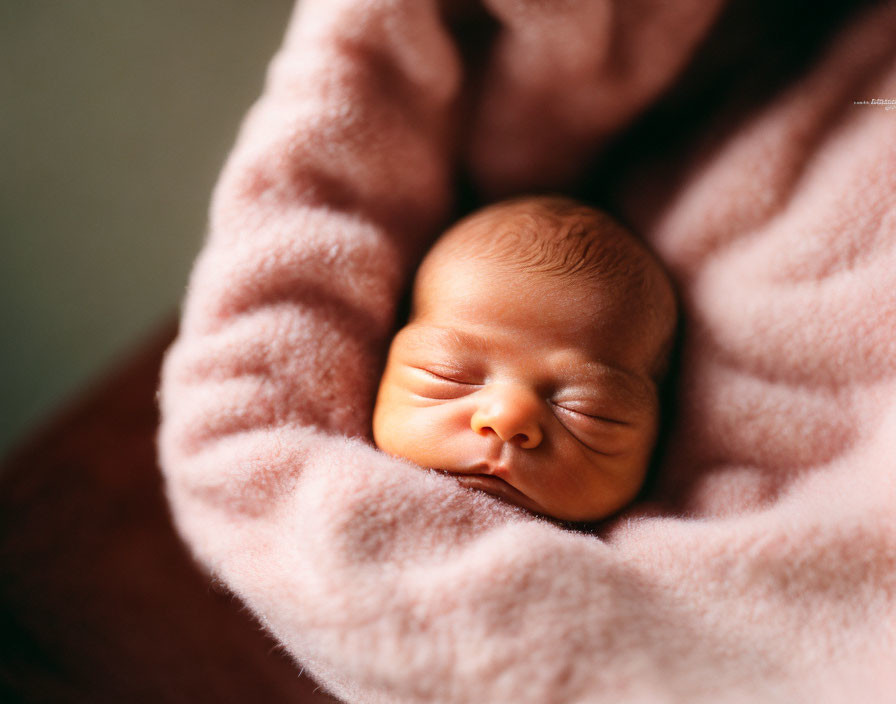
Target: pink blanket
x=762, y=567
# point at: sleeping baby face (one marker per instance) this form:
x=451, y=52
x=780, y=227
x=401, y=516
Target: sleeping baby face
x=529, y=367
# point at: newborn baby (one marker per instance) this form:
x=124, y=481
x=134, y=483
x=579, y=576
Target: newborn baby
x=540, y=330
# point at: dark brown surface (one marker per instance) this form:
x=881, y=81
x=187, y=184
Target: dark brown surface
x=99, y=600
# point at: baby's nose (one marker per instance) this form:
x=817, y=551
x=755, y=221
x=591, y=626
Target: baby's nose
x=512, y=413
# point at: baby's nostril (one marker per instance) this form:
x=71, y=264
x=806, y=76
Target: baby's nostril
x=520, y=438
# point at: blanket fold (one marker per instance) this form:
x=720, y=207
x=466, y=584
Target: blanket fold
x=764, y=565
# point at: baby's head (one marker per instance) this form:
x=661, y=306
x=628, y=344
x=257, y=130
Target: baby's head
x=540, y=330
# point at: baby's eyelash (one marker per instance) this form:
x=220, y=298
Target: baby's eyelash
x=446, y=375
x=604, y=419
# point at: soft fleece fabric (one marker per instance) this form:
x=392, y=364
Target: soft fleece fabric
x=764, y=567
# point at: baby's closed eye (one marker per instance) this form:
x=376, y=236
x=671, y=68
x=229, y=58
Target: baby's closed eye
x=600, y=426
x=590, y=411
x=441, y=382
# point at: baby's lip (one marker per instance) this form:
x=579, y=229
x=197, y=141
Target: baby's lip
x=500, y=470
x=490, y=484
x=487, y=477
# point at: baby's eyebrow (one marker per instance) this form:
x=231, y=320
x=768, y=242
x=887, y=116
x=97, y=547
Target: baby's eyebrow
x=630, y=386
x=448, y=337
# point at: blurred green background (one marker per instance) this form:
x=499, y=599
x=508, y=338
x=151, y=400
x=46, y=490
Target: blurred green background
x=115, y=118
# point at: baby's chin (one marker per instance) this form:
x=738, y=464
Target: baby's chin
x=506, y=492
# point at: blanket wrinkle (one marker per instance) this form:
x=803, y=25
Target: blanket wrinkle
x=761, y=566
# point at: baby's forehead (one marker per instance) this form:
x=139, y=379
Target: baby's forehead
x=534, y=233
x=546, y=235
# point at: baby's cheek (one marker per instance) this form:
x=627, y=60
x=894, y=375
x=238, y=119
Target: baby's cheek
x=426, y=436
x=624, y=476
x=436, y=438
x=388, y=424
x=587, y=484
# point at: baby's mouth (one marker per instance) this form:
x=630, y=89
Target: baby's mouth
x=490, y=484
